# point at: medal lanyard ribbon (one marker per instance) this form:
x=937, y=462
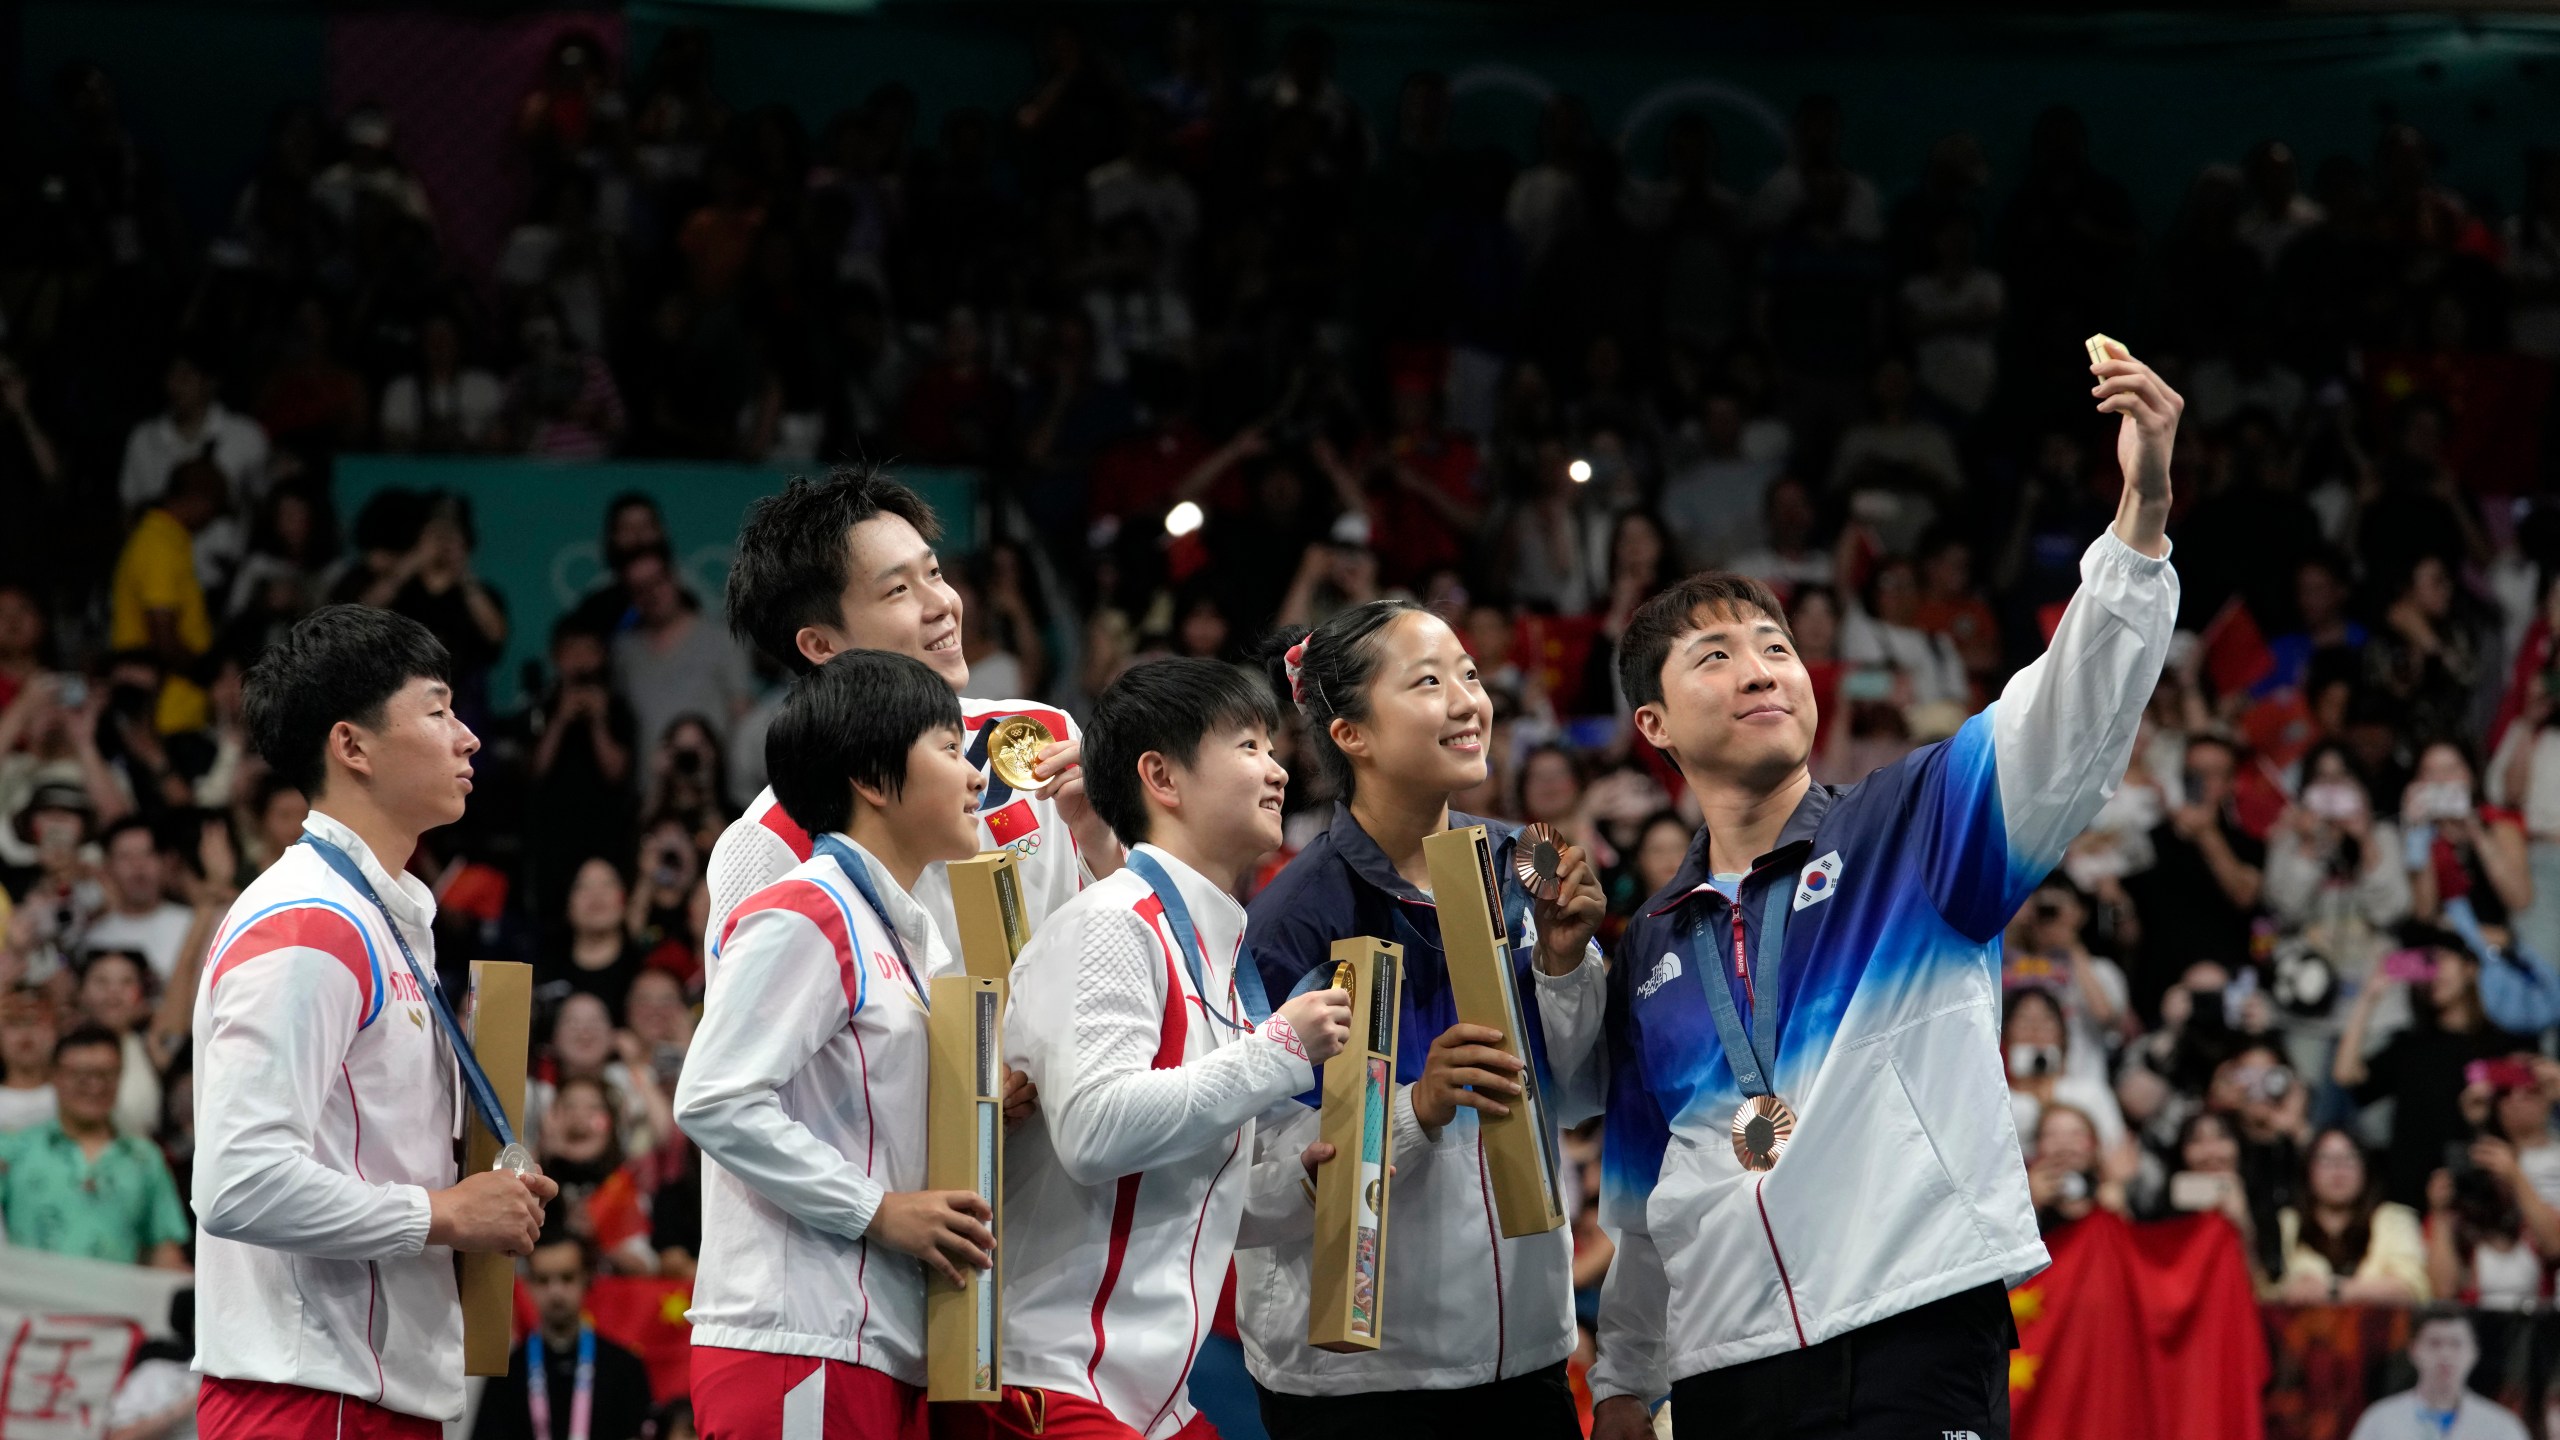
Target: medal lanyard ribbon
x=582, y=1397
x=997, y=792
x=1248, y=976
x=1751, y=1050
x=475, y=1081
x=860, y=874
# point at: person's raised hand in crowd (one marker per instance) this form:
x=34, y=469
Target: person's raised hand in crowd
x=216, y=883
x=2496, y=1158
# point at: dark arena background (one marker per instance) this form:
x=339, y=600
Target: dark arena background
x=1193, y=322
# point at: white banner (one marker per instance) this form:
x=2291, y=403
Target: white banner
x=68, y=1330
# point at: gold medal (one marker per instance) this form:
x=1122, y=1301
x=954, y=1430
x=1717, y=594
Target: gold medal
x=1761, y=1130
x=1014, y=746
x=1537, y=858
x=1345, y=975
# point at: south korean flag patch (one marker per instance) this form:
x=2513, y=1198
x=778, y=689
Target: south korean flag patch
x=1819, y=880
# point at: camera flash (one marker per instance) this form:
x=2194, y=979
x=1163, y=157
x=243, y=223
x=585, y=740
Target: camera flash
x=1580, y=470
x=1182, y=519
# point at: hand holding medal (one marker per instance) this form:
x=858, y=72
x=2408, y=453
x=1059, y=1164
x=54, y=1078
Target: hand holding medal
x=1565, y=894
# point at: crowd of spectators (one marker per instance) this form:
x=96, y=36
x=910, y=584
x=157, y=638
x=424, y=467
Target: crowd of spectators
x=1227, y=351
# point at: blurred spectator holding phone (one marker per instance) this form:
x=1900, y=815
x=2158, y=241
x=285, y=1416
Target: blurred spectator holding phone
x=2044, y=948
x=580, y=802
x=2488, y=1225
x=2334, y=873
x=2421, y=1067
x=2345, y=1243
x=2068, y=1174
x=2037, y=1043
x=2200, y=897
x=2458, y=849
x=2204, y=1176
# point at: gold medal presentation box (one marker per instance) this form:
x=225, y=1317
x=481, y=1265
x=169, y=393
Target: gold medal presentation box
x=964, y=1117
x=1359, y=1123
x=1519, y=1148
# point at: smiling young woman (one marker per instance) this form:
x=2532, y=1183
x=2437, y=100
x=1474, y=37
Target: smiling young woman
x=1398, y=721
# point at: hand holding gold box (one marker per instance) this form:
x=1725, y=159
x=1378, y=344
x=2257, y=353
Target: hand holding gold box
x=1519, y=1148
x=1344, y=1312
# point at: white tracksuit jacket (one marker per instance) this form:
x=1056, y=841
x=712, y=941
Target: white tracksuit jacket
x=327, y=1104
x=805, y=1088
x=1126, y=1190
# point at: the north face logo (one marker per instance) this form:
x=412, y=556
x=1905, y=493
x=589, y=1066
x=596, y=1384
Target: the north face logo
x=1664, y=970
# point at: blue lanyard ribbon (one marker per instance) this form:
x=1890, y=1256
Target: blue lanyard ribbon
x=1248, y=977
x=582, y=1397
x=860, y=874
x=1753, y=1052
x=475, y=1081
x=997, y=792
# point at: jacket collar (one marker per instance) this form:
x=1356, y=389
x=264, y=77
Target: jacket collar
x=915, y=927
x=404, y=894
x=1695, y=871
x=1220, y=919
x=1370, y=863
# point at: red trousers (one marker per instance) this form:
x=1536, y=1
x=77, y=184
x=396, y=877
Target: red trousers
x=1044, y=1415
x=261, y=1410
x=751, y=1395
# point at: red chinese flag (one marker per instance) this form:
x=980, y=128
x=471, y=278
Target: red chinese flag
x=645, y=1315
x=2082, y=1369
x=2143, y=1332
x=1012, y=822
x=2236, y=656
x=2201, y=1309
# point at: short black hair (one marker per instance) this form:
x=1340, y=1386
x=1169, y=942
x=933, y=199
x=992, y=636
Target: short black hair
x=1659, y=623
x=1167, y=707
x=340, y=662
x=851, y=720
x=2441, y=1312
x=125, y=825
x=789, y=567
x=1339, y=660
x=87, y=1035
x=556, y=1231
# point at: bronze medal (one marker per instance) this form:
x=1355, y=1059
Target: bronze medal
x=1537, y=858
x=1761, y=1130
x=1014, y=746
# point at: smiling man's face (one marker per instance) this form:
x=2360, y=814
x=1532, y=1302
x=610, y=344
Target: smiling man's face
x=1736, y=701
x=896, y=599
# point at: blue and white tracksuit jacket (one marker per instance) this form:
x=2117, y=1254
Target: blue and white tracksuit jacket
x=1903, y=1183
x=1459, y=1304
